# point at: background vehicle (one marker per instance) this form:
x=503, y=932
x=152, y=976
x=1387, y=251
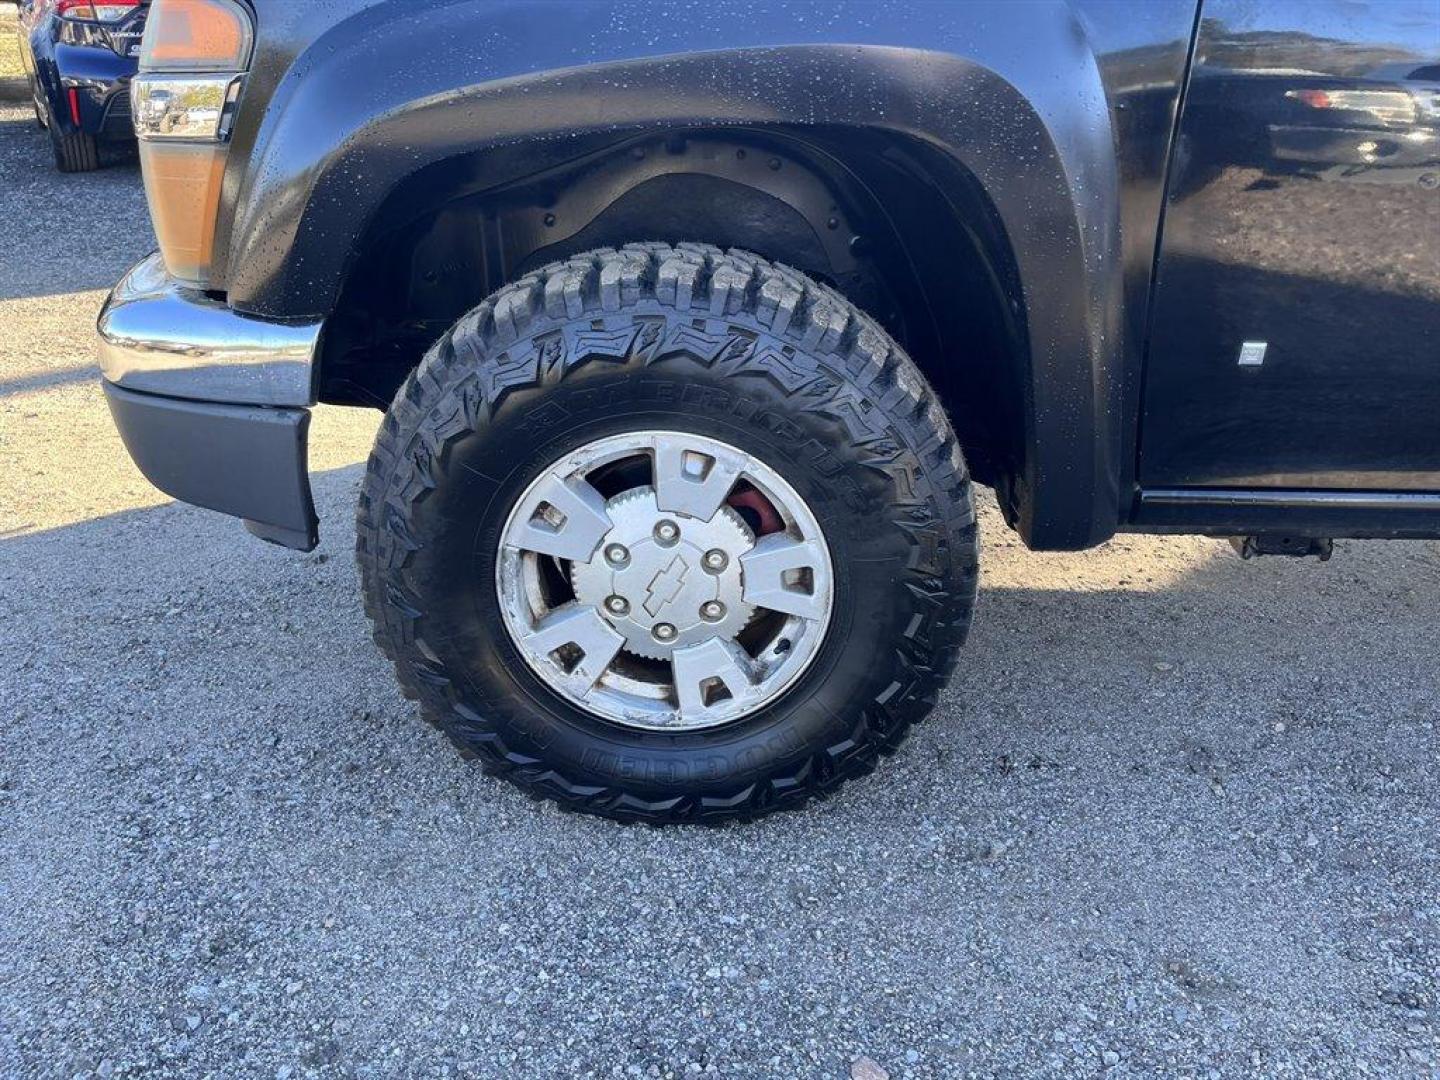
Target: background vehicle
x=691, y=342
x=79, y=56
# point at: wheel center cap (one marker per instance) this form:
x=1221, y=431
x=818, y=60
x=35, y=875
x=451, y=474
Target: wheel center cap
x=664, y=588
x=657, y=579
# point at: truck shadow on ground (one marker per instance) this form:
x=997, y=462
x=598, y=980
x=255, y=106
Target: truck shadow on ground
x=1179, y=793
x=26, y=384
x=1148, y=647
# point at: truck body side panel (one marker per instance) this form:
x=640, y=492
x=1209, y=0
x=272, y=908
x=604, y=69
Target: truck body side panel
x=1304, y=219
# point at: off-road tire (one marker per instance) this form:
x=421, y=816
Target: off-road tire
x=75, y=152
x=718, y=343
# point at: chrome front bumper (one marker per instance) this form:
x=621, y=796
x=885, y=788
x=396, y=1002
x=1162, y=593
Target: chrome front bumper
x=212, y=404
x=159, y=337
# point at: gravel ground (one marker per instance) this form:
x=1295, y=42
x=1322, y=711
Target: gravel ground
x=1175, y=815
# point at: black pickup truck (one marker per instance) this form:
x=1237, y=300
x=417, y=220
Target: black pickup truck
x=693, y=324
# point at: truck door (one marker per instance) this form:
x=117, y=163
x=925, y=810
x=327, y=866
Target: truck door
x=1295, y=333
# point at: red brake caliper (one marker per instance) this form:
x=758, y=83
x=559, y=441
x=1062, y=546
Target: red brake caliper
x=747, y=498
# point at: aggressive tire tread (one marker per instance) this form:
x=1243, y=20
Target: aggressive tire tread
x=883, y=405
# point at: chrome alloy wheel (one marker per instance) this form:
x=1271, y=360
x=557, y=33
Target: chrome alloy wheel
x=664, y=581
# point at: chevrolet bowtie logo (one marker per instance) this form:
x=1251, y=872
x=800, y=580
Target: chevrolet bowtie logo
x=665, y=585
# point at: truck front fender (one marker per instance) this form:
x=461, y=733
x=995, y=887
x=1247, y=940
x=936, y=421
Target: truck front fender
x=1012, y=93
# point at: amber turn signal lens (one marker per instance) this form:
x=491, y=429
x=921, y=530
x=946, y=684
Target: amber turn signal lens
x=196, y=35
x=182, y=185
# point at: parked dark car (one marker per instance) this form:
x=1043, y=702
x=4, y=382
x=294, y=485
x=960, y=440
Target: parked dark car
x=694, y=324
x=79, y=56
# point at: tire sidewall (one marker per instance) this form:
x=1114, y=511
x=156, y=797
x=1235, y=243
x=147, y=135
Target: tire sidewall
x=491, y=686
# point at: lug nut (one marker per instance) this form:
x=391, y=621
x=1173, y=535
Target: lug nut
x=617, y=605
x=663, y=631
x=667, y=532
x=715, y=560
x=616, y=555
x=712, y=610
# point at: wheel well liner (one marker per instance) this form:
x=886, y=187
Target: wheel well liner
x=924, y=254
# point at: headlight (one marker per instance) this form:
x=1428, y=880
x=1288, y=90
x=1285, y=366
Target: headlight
x=192, y=60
